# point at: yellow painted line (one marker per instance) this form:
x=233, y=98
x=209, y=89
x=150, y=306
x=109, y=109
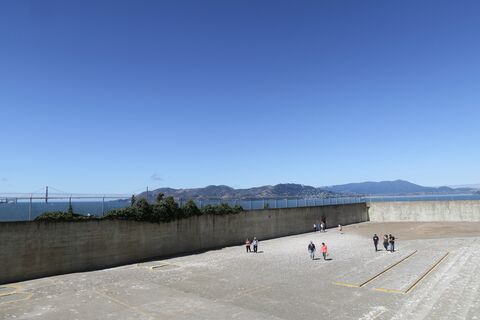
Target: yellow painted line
x=344, y=284
x=16, y=289
x=28, y=295
x=352, y=285
x=426, y=273
x=124, y=304
x=392, y=266
x=389, y=290
x=416, y=281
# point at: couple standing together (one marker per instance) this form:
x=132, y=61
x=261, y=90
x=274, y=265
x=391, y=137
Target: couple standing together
x=319, y=227
x=253, y=243
x=312, y=249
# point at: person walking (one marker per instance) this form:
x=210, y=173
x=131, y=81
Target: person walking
x=247, y=245
x=375, y=242
x=255, y=244
x=385, y=242
x=392, y=243
x=311, y=250
x=314, y=227
x=340, y=229
x=324, y=250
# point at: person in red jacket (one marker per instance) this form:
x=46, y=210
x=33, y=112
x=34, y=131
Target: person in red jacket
x=324, y=250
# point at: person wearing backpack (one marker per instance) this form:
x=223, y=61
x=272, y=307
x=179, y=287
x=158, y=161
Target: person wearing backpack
x=311, y=250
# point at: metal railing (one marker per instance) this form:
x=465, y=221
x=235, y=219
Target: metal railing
x=21, y=208
x=24, y=208
x=18, y=207
x=256, y=204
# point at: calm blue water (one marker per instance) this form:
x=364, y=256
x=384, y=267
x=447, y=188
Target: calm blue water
x=445, y=197
x=22, y=211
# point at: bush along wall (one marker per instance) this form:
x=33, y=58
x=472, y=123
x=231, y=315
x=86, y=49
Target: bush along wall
x=163, y=210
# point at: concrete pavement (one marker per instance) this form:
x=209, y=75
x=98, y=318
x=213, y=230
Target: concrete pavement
x=279, y=282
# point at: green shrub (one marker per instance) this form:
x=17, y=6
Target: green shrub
x=190, y=209
x=164, y=210
x=128, y=213
x=208, y=209
x=221, y=209
x=62, y=216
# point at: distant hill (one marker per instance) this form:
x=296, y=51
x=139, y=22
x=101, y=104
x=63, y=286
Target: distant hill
x=397, y=187
x=286, y=190
x=292, y=190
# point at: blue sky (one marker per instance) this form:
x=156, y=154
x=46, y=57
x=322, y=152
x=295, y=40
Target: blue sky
x=113, y=96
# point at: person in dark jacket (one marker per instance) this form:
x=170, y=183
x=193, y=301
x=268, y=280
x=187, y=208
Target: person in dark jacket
x=375, y=242
x=311, y=250
x=392, y=243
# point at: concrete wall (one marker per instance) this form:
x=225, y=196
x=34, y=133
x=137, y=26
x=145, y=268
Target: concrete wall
x=458, y=210
x=37, y=249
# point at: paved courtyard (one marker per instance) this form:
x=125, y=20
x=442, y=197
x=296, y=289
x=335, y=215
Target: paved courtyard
x=433, y=275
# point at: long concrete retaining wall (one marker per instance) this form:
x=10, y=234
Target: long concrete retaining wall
x=37, y=249
x=458, y=210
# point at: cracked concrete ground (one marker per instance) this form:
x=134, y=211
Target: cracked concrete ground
x=279, y=282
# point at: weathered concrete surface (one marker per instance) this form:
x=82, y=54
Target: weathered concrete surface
x=37, y=249
x=368, y=269
x=458, y=210
x=281, y=282
x=406, y=274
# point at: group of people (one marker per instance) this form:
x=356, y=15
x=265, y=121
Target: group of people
x=251, y=246
x=312, y=249
x=388, y=242
x=319, y=227
x=322, y=226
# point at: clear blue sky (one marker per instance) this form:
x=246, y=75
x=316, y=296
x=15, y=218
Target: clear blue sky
x=112, y=96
